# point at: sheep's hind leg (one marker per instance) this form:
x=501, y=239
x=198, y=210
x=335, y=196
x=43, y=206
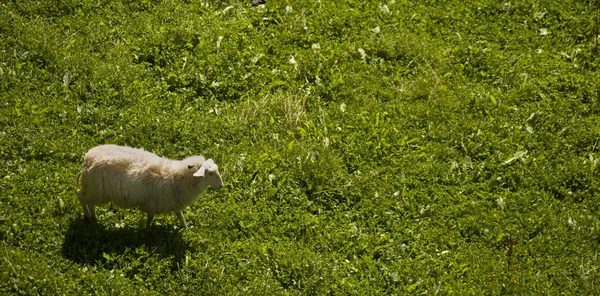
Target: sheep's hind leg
x=181, y=219
x=149, y=221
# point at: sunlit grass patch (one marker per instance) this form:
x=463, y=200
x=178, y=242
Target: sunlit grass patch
x=366, y=147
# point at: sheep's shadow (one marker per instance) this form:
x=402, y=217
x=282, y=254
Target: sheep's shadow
x=87, y=242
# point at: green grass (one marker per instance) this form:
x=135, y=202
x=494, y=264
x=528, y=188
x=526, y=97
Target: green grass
x=399, y=147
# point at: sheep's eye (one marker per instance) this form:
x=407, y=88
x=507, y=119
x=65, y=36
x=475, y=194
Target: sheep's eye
x=190, y=166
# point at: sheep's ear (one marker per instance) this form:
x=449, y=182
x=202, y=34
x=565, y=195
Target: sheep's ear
x=200, y=172
x=205, y=164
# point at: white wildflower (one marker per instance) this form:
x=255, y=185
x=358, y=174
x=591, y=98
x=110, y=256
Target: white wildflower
x=519, y=155
x=363, y=55
x=500, y=203
x=540, y=15
x=571, y=222
x=67, y=78
x=384, y=8
x=529, y=129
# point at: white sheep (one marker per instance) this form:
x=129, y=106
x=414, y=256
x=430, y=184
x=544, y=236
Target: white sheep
x=131, y=177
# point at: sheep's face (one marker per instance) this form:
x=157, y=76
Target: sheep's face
x=210, y=171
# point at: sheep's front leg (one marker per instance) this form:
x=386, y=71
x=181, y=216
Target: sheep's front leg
x=86, y=212
x=150, y=217
x=92, y=211
x=181, y=219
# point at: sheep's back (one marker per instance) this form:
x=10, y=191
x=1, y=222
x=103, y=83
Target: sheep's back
x=122, y=175
x=118, y=156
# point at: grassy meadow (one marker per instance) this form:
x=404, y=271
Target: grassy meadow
x=367, y=147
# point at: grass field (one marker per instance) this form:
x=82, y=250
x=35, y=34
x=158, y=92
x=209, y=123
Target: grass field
x=367, y=147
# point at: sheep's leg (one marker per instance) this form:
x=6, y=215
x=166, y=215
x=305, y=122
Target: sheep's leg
x=181, y=219
x=149, y=221
x=92, y=212
x=86, y=212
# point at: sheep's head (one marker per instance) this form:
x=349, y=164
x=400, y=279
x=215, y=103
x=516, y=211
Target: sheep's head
x=210, y=171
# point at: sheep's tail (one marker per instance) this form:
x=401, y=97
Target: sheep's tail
x=77, y=186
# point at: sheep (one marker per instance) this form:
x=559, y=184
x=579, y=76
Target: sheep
x=131, y=177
